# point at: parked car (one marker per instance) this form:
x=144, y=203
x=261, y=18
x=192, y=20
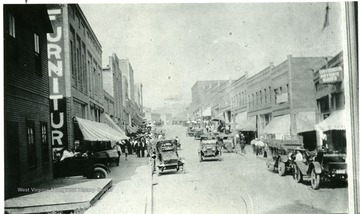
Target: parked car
x=321, y=166
x=226, y=141
x=281, y=155
x=89, y=167
x=198, y=133
x=107, y=157
x=102, y=150
x=190, y=131
x=210, y=149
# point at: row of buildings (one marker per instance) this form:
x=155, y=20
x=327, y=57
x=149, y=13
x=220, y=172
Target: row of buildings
x=53, y=76
x=301, y=98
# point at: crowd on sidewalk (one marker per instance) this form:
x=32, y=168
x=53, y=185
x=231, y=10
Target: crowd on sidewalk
x=258, y=146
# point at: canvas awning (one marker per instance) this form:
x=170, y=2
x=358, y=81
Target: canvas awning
x=113, y=125
x=206, y=112
x=94, y=131
x=279, y=125
x=305, y=121
x=336, y=121
x=249, y=124
x=131, y=129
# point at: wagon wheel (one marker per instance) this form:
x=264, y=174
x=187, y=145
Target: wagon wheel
x=281, y=168
x=315, y=179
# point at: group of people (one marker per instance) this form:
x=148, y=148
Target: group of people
x=240, y=141
x=258, y=147
x=136, y=146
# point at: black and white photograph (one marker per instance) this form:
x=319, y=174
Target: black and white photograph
x=203, y=107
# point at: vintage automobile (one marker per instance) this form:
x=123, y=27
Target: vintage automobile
x=320, y=166
x=102, y=150
x=226, y=141
x=210, y=149
x=89, y=167
x=281, y=154
x=190, y=131
x=167, y=156
x=206, y=137
x=198, y=133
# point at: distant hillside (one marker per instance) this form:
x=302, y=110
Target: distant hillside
x=177, y=110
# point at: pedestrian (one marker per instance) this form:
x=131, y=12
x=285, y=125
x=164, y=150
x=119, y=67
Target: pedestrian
x=260, y=145
x=252, y=143
x=136, y=148
x=236, y=142
x=242, y=143
x=118, y=151
x=126, y=150
x=142, y=147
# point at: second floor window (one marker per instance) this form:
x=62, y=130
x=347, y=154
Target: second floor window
x=12, y=26
x=38, y=67
x=36, y=44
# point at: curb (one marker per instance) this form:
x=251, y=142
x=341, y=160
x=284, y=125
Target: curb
x=149, y=197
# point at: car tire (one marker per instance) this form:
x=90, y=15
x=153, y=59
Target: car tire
x=281, y=168
x=315, y=180
x=99, y=173
x=297, y=174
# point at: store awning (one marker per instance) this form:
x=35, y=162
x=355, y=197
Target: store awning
x=131, y=129
x=138, y=120
x=279, y=125
x=113, y=125
x=249, y=124
x=305, y=121
x=207, y=112
x=94, y=131
x=336, y=121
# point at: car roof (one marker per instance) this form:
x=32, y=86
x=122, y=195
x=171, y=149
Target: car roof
x=208, y=141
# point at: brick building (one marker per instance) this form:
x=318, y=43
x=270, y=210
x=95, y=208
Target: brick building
x=26, y=97
x=239, y=109
x=259, y=96
x=199, y=89
x=331, y=116
x=76, y=88
x=112, y=82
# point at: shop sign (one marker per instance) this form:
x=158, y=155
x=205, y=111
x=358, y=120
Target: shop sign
x=330, y=75
x=57, y=81
x=282, y=98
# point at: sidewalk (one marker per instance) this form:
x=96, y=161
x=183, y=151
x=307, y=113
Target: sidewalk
x=130, y=195
x=75, y=193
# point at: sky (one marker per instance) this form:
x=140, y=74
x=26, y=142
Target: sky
x=171, y=46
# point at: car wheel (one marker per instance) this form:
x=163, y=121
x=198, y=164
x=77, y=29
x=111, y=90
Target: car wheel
x=99, y=173
x=281, y=168
x=315, y=180
x=297, y=174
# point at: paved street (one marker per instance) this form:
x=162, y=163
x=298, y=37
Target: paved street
x=238, y=184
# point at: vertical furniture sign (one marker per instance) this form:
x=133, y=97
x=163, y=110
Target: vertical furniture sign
x=57, y=81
